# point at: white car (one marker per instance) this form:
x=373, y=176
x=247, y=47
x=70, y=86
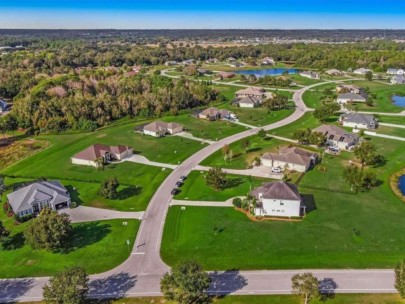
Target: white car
x=276, y=170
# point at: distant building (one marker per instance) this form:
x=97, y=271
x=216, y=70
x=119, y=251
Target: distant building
x=203, y=71
x=334, y=72
x=350, y=98
x=398, y=79
x=4, y=106
x=395, y=72
x=291, y=158
x=278, y=199
x=91, y=155
x=256, y=92
x=310, y=74
x=37, y=196
x=188, y=62
x=349, y=88
x=362, y=71
x=215, y=114
x=358, y=121
x=337, y=137
x=171, y=63
x=268, y=61
x=248, y=102
x=161, y=128
x=225, y=75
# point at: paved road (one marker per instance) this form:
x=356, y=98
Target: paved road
x=140, y=274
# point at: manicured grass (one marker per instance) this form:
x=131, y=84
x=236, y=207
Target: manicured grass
x=242, y=160
x=306, y=121
x=96, y=246
x=212, y=130
x=345, y=230
x=399, y=120
x=298, y=79
x=391, y=131
x=195, y=187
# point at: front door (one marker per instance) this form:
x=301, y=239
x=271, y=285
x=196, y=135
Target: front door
x=35, y=208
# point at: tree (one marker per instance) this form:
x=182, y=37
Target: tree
x=108, y=188
x=366, y=153
x=186, y=284
x=305, y=285
x=69, y=286
x=245, y=144
x=368, y=76
x=359, y=179
x=49, y=231
x=324, y=112
x=262, y=134
x=317, y=138
x=370, y=101
x=4, y=235
x=302, y=136
x=216, y=178
x=400, y=278
x=2, y=185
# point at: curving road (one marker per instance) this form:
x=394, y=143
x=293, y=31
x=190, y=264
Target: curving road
x=140, y=274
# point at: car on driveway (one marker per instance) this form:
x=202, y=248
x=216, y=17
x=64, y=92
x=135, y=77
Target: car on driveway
x=276, y=170
x=174, y=191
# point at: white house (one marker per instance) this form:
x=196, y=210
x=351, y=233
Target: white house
x=358, y=121
x=290, y=158
x=361, y=71
x=268, y=61
x=91, y=155
x=337, y=137
x=278, y=199
x=161, y=128
x=350, y=97
x=249, y=102
x=37, y=196
x=334, y=72
x=395, y=72
x=310, y=74
x=398, y=79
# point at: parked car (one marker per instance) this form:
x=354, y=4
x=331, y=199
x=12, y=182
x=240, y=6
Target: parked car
x=183, y=178
x=276, y=170
x=334, y=149
x=174, y=191
x=179, y=183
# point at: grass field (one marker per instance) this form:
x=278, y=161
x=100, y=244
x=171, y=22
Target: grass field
x=195, y=188
x=306, y=121
x=242, y=160
x=399, y=120
x=343, y=231
x=96, y=246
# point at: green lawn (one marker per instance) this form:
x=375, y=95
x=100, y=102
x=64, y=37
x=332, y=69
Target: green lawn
x=306, y=121
x=398, y=120
x=195, y=187
x=298, y=79
x=242, y=160
x=391, y=131
x=96, y=246
x=344, y=231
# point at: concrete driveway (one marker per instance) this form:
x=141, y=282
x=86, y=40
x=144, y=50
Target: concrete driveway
x=90, y=214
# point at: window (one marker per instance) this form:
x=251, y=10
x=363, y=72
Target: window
x=281, y=204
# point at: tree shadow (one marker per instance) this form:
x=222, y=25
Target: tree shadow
x=227, y=282
x=114, y=286
x=233, y=182
x=309, y=201
x=11, y=290
x=74, y=195
x=254, y=149
x=327, y=288
x=16, y=241
x=88, y=233
x=128, y=192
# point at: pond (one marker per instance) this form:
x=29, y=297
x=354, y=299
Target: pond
x=398, y=100
x=267, y=72
x=401, y=184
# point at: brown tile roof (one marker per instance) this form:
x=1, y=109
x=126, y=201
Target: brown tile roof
x=292, y=155
x=98, y=150
x=251, y=91
x=278, y=190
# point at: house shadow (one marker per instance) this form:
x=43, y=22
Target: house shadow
x=16, y=241
x=114, y=286
x=12, y=289
x=327, y=288
x=225, y=283
x=128, y=192
x=74, y=195
x=309, y=202
x=86, y=234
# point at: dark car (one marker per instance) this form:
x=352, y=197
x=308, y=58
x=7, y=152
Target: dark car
x=174, y=191
x=183, y=177
x=179, y=183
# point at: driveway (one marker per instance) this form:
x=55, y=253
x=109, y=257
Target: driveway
x=90, y=214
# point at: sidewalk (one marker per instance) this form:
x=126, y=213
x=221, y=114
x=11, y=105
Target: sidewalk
x=227, y=203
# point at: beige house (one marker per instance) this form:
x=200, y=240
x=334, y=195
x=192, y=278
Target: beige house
x=350, y=98
x=337, y=137
x=214, y=114
x=249, y=102
x=310, y=75
x=91, y=155
x=256, y=92
x=334, y=72
x=225, y=75
x=349, y=88
x=161, y=128
x=291, y=158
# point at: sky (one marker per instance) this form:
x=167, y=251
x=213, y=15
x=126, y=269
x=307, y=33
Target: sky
x=202, y=14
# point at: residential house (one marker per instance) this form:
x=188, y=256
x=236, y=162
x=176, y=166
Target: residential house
x=188, y=62
x=278, y=199
x=349, y=88
x=225, y=75
x=91, y=155
x=395, y=71
x=171, y=63
x=212, y=60
x=310, y=74
x=161, y=128
x=398, y=79
x=248, y=102
x=203, y=71
x=334, y=72
x=349, y=98
x=268, y=61
x=291, y=158
x=256, y=92
x=37, y=196
x=215, y=114
x=337, y=137
x=236, y=64
x=231, y=59
x=4, y=106
x=362, y=71
x=358, y=121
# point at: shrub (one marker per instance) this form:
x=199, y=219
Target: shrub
x=237, y=202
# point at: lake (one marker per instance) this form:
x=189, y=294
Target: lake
x=398, y=100
x=267, y=72
x=401, y=184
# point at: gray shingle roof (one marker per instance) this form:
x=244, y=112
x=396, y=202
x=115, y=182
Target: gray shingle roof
x=358, y=118
x=278, y=190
